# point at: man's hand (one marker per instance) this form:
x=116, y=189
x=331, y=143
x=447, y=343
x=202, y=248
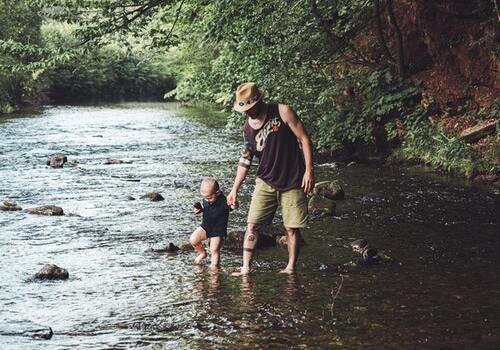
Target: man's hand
x=197, y=208
x=308, y=181
x=231, y=199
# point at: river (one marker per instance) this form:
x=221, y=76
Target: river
x=441, y=290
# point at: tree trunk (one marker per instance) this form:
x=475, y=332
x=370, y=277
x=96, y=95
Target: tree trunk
x=399, y=41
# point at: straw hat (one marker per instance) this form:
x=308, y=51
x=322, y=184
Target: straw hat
x=247, y=96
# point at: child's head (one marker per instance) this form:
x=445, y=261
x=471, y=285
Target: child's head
x=209, y=190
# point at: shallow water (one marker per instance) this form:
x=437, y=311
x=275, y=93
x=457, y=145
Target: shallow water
x=441, y=291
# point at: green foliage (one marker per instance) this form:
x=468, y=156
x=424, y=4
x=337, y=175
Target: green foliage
x=424, y=143
x=19, y=40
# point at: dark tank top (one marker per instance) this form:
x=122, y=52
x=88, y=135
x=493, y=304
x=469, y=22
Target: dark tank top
x=281, y=163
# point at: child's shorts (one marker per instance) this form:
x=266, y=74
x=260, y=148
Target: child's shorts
x=211, y=233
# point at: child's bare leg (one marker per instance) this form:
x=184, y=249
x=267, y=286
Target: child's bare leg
x=196, y=238
x=215, y=245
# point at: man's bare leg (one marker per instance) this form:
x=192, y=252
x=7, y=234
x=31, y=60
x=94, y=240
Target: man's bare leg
x=249, y=244
x=294, y=243
x=196, y=238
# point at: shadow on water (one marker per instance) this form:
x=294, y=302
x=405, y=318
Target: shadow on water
x=439, y=290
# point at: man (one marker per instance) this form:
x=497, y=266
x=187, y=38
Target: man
x=285, y=174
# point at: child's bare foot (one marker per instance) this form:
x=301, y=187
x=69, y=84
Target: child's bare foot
x=242, y=272
x=288, y=271
x=199, y=258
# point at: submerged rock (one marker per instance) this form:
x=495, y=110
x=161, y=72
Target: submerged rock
x=116, y=161
x=57, y=160
x=9, y=206
x=329, y=189
x=319, y=205
x=46, y=210
x=170, y=248
x=153, y=196
x=368, y=253
x=44, y=333
x=52, y=272
x=130, y=198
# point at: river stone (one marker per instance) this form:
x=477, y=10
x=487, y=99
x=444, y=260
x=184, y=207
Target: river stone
x=170, y=248
x=329, y=189
x=52, y=272
x=9, y=206
x=320, y=205
x=153, y=196
x=57, y=160
x=44, y=333
x=46, y=210
x=115, y=161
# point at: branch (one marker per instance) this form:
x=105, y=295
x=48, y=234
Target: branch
x=177, y=15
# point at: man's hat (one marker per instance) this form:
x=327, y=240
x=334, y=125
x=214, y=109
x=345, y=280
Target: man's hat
x=247, y=96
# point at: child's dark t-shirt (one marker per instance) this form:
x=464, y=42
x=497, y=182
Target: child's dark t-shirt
x=215, y=217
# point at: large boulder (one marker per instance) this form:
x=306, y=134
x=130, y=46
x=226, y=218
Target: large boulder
x=153, y=196
x=9, y=206
x=329, y=189
x=52, y=272
x=46, y=210
x=57, y=160
x=319, y=205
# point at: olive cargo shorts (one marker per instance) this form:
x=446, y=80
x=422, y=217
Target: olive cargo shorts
x=265, y=201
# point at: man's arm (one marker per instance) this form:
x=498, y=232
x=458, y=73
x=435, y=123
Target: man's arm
x=290, y=118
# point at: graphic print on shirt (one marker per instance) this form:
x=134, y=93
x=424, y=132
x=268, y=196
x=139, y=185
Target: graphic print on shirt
x=273, y=125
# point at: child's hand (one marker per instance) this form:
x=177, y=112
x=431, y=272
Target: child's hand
x=197, y=208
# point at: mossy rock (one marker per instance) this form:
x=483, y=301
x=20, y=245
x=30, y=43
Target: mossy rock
x=329, y=189
x=319, y=205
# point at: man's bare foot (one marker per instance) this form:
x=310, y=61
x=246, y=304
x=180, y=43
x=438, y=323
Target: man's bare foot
x=242, y=272
x=288, y=271
x=199, y=258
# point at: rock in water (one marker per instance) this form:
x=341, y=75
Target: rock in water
x=57, y=160
x=46, y=210
x=170, y=248
x=52, y=272
x=329, y=189
x=321, y=206
x=153, y=196
x=45, y=333
x=116, y=161
x=9, y=206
